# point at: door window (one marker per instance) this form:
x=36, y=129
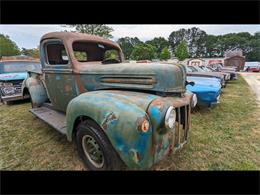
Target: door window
x=56, y=53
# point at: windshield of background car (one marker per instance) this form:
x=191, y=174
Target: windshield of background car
x=193, y=69
x=92, y=51
x=188, y=69
x=11, y=67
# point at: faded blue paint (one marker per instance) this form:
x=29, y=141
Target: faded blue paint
x=36, y=89
x=122, y=131
x=13, y=76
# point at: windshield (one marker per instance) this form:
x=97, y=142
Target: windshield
x=206, y=69
x=11, y=67
x=193, y=69
x=188, y=69
x=92, y=51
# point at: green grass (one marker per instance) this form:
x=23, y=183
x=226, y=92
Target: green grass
x=226, y=137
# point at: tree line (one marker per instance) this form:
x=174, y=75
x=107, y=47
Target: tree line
x=183, y=43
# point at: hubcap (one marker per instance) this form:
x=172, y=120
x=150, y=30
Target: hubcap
x=92, y=151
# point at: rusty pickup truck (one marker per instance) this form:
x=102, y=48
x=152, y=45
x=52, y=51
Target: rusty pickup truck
x=119, y=114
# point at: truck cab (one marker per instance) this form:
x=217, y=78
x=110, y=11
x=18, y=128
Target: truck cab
x=119, y=114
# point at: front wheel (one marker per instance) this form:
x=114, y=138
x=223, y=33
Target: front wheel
x=94, y=148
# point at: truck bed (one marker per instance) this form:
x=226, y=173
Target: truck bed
x=54, y=118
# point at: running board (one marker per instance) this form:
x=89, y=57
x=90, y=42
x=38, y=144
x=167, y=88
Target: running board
x=55, y=119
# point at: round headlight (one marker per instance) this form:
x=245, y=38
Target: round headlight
x=170, y=118
x=194, y=100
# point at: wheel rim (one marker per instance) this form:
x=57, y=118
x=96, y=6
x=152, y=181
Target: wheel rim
x=92, y=151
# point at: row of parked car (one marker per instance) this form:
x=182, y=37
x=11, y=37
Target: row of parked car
x=119, y=114
x=208, y=82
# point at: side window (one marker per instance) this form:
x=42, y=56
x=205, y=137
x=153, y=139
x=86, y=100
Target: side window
x=56, y=53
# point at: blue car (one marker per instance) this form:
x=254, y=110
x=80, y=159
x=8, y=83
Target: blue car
x=207, y=90
x=12, y=75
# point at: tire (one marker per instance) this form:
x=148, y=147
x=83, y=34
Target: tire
x=89, y=136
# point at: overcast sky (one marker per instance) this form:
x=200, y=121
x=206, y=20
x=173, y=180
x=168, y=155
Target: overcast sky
x=28, y=36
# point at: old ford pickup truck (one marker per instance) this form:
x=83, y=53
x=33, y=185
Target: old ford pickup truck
x=119, y=114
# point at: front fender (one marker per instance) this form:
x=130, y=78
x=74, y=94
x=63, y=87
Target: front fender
x=118, y=115
x=36, y=89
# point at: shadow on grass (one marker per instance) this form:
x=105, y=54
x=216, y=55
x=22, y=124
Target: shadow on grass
x=17, y=102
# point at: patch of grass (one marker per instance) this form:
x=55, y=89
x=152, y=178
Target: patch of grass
x=226, y=137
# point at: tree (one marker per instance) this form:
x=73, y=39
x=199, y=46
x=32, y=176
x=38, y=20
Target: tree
x=165, y=54
x=35, y=53
x=143, y=52
x=159, y=43
x=195, y=39
x=181, y=51
x=254, y=54
x=7, y=46
x=94, y=29
x=127, y=45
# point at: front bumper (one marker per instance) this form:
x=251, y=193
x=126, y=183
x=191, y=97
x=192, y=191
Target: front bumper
x=14, y=97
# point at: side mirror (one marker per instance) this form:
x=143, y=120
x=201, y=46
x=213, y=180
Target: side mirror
x=192, y=83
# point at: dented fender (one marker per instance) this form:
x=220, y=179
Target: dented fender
x=119, y=114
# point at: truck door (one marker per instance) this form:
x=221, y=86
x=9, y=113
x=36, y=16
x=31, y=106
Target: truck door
x=57, y=73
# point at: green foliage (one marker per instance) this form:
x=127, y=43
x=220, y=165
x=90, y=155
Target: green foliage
x=94, y=29
x=165, y=54
x=81, y=56
x=35, y=52
x=127, y=45
x=7, y=46
x=254, y=53
x=181, y=51
x=195, y=39
x=111, y=54
x=159, y=43
x=143, y=52
x=201, y=44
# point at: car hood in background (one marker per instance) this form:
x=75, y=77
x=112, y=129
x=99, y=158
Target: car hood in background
x=13, y=76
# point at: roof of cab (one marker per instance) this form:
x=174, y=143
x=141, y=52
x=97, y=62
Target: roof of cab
x=74, y=36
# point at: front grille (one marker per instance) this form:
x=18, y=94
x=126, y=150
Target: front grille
x=16, y=88
x=182, y=125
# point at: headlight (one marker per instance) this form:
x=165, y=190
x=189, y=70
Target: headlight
x=170, y=118
x=194, y=100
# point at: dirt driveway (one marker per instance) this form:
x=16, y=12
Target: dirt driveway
x=253, y=79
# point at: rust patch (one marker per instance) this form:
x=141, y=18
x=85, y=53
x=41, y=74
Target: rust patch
x=108, y=119
x=67, y=88
x=159, y=104
x=140, y=124
x=80, y=85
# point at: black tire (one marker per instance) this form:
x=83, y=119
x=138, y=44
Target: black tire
x=88, y=130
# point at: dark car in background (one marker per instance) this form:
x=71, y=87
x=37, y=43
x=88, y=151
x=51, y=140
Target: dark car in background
x=12, y=74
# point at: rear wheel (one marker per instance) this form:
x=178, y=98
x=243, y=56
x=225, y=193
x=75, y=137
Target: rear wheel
x=94, y=148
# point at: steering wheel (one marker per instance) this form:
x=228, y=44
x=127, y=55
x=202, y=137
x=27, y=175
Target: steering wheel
x=110, y=61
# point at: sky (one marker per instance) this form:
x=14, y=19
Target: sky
x=28, y=36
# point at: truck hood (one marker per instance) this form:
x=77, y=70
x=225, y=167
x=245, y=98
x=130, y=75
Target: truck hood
x=157, y=77
x=13, y=76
